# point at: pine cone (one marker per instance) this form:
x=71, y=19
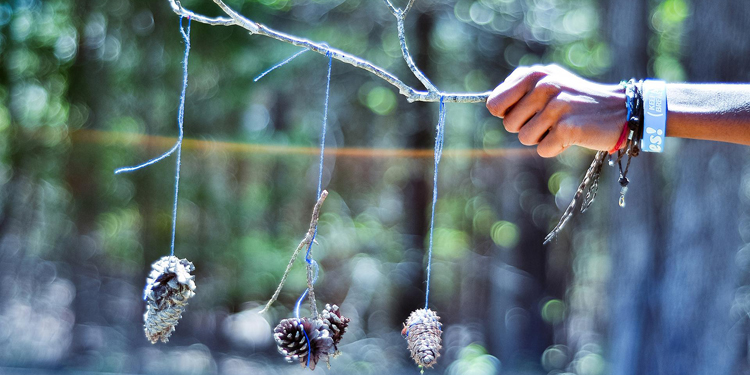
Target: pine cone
x=335, y=322
x=168, y=288
x=422, y=332
x=292, y=337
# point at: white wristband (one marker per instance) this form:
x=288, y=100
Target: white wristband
x=654, y=115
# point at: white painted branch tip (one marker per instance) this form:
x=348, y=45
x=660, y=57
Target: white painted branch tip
x=392, y=8
x=216, y=21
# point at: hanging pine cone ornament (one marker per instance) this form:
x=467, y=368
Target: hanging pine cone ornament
x=305, y=340
x=422, y=332
x=168, y=288
x=335, y=322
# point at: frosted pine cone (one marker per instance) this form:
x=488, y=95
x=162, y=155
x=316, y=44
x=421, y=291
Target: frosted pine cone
x=168, y=288
x=292, y=337
x=422, y=332
x=335, y=322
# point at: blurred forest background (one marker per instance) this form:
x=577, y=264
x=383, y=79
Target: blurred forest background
x=659, y=287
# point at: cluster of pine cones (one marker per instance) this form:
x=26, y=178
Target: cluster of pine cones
x=309, y=340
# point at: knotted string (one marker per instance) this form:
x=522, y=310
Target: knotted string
x=185, y=32
x=439, y=137
x=308, y=255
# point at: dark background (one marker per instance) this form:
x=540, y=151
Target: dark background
x=659, y=287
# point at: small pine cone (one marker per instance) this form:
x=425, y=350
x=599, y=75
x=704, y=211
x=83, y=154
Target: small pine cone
x=168, y=288
x=335, y=322
x=292, y=337
x=422, y=332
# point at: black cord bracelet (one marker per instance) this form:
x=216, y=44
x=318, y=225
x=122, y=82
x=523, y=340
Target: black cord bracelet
x=634, y=104
x=587, y=190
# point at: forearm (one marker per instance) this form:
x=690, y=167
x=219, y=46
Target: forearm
x=555, y=109
x=716, y=112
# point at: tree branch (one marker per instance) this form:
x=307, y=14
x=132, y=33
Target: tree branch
x=392, y=8
x=311, y=289
x=411, y=94
x=305, y=242
x=218, y=21
x=407, y=56
x=250, y=26
x=408, y=7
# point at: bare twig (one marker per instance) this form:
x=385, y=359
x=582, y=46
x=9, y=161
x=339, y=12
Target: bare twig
x=218, y=21
x=411, y=94
x=408, y=7
x=310, y=289
x=305, y=242
x=407, y=56
x=392, y=8
x=250, y=26
x=400, y=17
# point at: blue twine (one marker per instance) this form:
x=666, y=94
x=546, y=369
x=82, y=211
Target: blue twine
x=325, y=125
x=309, y=349
x=439, y=137
x=279, y=65
x=299, y=302
x=185, y=32
x=308, y=256
x=304, y=294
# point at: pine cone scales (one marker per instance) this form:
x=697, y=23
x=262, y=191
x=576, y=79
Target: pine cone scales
x=422, y=331
x=335, y=322
x=168, y=288
x=292, y=337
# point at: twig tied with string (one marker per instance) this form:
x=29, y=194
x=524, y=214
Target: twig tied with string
x=422, y=329
x=306, y=241
x=310, y=339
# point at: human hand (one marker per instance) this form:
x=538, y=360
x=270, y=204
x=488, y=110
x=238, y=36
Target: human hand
x=551, y=107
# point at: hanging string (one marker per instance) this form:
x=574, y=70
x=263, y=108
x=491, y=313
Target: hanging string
x=279, y=65
x=439, y=137
x=308, y=255
x=309, y=348
x=185, y=32
x=304, y=294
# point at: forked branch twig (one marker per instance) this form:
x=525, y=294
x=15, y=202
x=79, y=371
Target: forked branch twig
x=412, y=95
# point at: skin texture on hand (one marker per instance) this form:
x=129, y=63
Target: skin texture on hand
x=555, y=109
